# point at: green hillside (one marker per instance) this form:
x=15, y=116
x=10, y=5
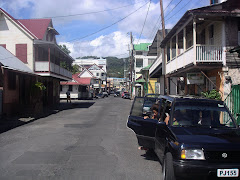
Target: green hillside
x=115, y=66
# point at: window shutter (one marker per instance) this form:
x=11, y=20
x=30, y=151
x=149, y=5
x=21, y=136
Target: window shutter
x=3, y=45
x=21, y=52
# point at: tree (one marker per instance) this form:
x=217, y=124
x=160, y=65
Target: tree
x=75, y=69
x=65, y=49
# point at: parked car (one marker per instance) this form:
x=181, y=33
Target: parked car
x=100, y=95
x=126, y=96
x=123, y=93
x=152, y=95
x=117, y=93
x=200, y=139
x=105, y=94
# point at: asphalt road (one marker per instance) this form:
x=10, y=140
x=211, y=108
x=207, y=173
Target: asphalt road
x=87, y=140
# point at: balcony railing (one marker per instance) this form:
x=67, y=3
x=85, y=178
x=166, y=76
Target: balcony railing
x=208, y=53
x=42, y=66
x=204, y=53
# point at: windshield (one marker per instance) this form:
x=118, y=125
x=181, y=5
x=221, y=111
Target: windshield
x=203, y=114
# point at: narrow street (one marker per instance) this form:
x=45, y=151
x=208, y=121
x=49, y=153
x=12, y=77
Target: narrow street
x=90, y=140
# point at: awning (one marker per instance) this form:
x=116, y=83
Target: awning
x=140, y=81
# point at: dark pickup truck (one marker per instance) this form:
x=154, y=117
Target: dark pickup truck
x=192, y=137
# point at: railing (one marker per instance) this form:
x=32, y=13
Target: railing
x=180, y=61
x=43, y=66
x=206, y=53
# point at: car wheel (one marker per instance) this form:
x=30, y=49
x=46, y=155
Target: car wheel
x=167, y=167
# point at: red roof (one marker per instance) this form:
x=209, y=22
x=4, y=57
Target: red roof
x=78, y=81
x=36, y=26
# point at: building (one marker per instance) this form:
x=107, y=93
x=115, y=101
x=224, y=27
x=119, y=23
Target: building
x=33, y=41
x=79, y=87
x=196, y=53
x=141, y=60
x=98, y=67
x=19, y=90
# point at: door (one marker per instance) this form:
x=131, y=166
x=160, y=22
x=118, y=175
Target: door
x=140, y=122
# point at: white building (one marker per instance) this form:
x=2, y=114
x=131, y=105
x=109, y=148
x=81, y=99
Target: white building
x=98, y=67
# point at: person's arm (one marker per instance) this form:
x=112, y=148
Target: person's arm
x=166, y=120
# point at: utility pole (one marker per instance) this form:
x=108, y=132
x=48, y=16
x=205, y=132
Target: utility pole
x=131, y=65
x=164, y=53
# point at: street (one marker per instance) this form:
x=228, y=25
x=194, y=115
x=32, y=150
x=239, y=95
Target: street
x=88, y=140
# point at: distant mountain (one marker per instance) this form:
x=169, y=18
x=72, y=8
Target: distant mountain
x=115, y=66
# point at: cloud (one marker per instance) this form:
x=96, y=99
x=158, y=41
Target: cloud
x=114, y=44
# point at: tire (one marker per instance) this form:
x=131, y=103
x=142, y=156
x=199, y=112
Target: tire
x=167, y=167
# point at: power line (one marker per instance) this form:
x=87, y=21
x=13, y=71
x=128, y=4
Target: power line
x=174, y=8
x=180, y=10
x=95, y=12
x=168, y=5
x=144, y=21
x=152, y=34
x=107, y=26
x=155, y=28
x=87, y=13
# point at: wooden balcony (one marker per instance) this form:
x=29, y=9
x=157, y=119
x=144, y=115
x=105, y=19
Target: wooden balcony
x=50, y=69
x=195, y=55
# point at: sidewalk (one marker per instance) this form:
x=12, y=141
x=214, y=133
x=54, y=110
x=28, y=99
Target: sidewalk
x=10, y=122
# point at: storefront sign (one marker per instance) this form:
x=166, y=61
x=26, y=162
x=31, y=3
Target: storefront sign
x=195, y=78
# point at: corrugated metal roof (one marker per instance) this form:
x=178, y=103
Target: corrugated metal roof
x=141, y=46
x=140, y=81
x=9, y=60
x=37, y=26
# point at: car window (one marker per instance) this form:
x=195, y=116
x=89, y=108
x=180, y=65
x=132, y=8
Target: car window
x=137, y=106
x=165, y=111
x=144, y=107
x=202, y=114
x=148, y=104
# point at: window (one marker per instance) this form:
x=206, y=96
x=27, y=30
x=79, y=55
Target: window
x=139, y=52
x=21, y=52
x=70, y=88
x=97, y=74
x=102, y=74
x=139, y=63
x=3, y=45
x=211, y=34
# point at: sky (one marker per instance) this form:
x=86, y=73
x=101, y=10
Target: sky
x=102, y=27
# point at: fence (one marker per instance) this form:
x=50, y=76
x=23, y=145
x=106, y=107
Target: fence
x=233, y=102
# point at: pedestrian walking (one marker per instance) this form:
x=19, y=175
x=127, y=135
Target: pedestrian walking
x=68, y=96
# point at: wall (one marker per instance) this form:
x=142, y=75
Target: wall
x=151, y=83
x=73, y=93
x=219, y=80
x=12, y=35
x=235, y=75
